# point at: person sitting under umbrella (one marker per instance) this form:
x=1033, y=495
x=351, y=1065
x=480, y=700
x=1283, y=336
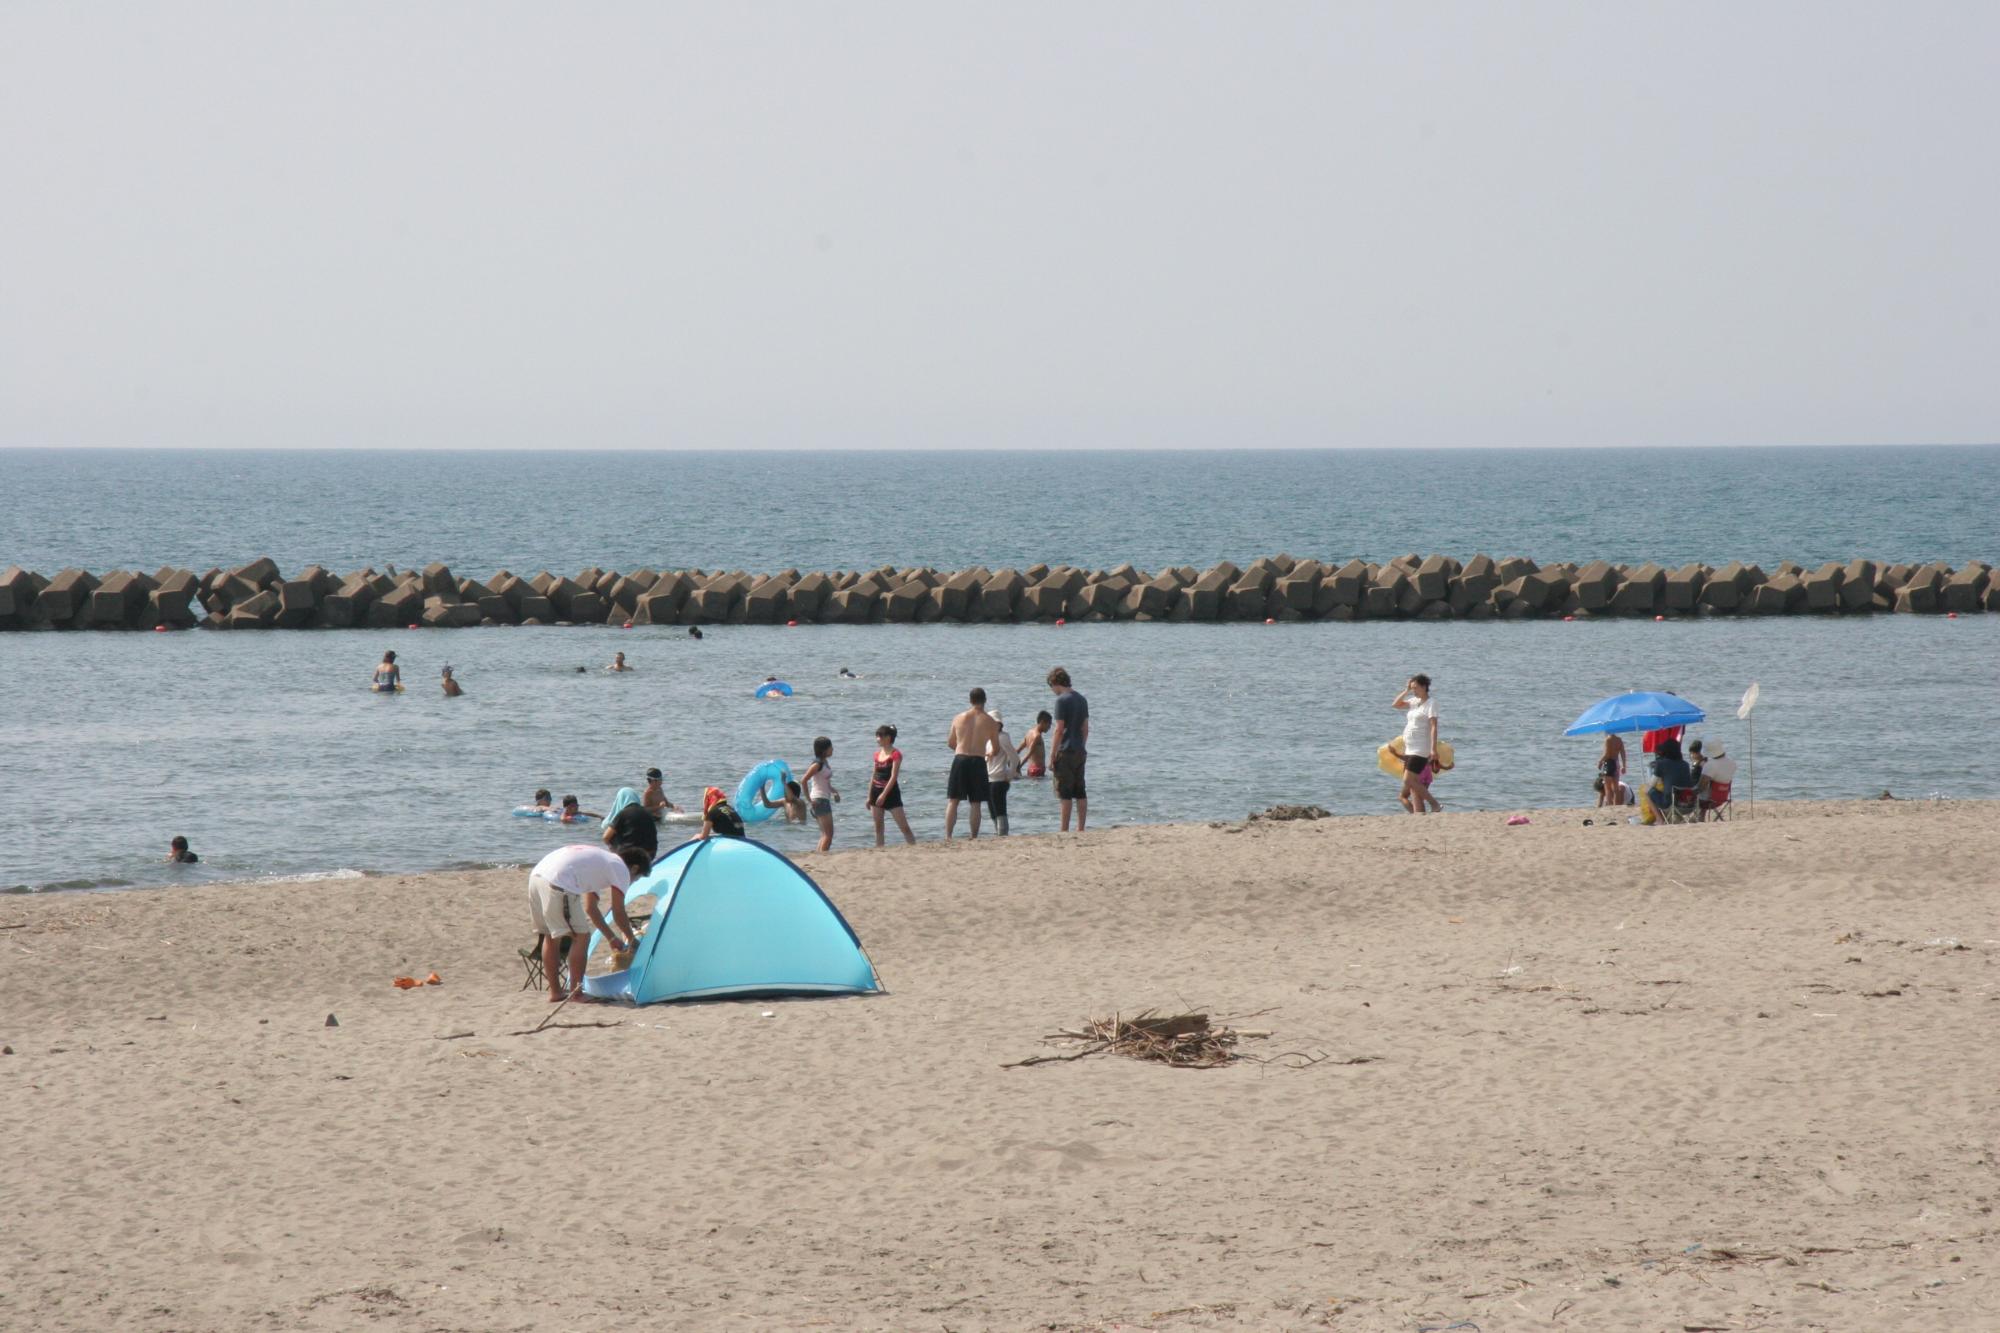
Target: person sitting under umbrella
x=1673, y=774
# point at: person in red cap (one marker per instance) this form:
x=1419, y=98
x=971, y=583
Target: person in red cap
x=718, y=816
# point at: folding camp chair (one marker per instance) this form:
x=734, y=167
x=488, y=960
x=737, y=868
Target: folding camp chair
x=1716, y=805
x=1683, y=809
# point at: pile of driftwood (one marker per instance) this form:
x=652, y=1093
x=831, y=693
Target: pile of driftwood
x=1186, y=1041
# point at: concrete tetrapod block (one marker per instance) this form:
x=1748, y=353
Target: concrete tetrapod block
x=537, y=608
x=1246, y=597
x=561, y=593
x=1776, y=596
x=1433, y=577
x=260, y=573
x=1300, y=586
x=297, y=603
x=767, y=601
x=260, y=610
x=17, y=593
x=586, y=608
x=169, y=604
x=492, y=607
x=1639, y=594
x=1682, y=589
x=1043, y=601
x=1513, y=567
x=852, y=605
x=66, y=597
x=1000, y=595
x=1595, y=585
x=1823, y=587
x=359, y=590
x=336, y=611
x=1963, y=590
x=121, y=599
x=322, y=580
x=809, y=596
x=1857, y=585
x=401, y=605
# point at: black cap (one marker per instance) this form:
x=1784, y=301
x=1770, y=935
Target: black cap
x=653, y=774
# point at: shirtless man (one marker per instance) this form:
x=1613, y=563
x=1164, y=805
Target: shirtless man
x=618, y=663
x=654, y=798
x=971, y=733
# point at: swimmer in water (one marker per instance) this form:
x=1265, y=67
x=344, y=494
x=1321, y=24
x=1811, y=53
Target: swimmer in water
x=845, y=674
x=654, y=798
x=388, y=676
x=618, y=663
x=571, y=814
x=1033, y=751
x=452, y=689
x=178, y=853
x=793, y=807
x=694, y=631
x=542, y=799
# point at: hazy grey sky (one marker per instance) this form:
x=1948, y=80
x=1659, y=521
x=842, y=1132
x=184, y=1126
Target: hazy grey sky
x=948, y=225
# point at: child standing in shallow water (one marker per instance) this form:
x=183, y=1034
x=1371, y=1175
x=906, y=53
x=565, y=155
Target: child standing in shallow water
x=1034, y=754
x=820, y=791
x=885, y=790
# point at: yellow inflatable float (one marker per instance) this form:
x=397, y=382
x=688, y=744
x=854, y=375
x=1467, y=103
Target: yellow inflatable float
x=1389, y=758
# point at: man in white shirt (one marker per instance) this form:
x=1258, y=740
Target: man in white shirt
x=563, y=892
x=1420, y=736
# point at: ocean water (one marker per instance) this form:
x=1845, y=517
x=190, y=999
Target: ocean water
x=481, y=512
x=268, y=752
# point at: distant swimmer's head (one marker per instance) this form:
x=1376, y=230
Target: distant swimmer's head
x=179, y=843
x=569, y=803
x=886, y=734
x=654, y=775
x=389, y=656
x=770, y=680
x=581, y=670
x=446, y=672
x=694, y=631
x=792, y=789
x=618, y=659
x=542, y=796
x=822, y=747
x=1042, y=719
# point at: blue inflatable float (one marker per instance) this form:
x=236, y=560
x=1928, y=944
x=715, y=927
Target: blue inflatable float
x=771, y=687
x=768, y=777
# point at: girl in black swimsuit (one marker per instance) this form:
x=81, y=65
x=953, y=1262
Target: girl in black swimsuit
x=885, y=788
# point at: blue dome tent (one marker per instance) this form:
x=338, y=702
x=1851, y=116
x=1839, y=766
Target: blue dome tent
x=732, y=917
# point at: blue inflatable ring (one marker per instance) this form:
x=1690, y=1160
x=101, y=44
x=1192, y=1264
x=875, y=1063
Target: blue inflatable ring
x=769, y=777
x=771, y=687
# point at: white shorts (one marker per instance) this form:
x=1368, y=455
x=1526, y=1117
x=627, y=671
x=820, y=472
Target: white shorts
x=556, y=913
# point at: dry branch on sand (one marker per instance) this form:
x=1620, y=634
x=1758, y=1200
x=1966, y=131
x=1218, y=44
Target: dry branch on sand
x=1186, y=1041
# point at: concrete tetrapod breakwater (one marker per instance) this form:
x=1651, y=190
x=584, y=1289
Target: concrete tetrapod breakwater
x=1277, y=588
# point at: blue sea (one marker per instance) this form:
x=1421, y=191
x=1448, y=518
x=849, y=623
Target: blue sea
x=268, y=752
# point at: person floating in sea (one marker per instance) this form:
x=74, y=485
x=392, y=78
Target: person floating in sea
x=1069, y=741
x=885, y=788
x=845, y=674
x=793, y=806
x=1420, y=734
x=654, y=798
x=694, y=631
x=543, y=800
x=452, y=689
x=574, y=814
x=1034, y=755
x=178, y=853
x=820, y=790
x=388, y=676
x=970, y=740
x=618, y=663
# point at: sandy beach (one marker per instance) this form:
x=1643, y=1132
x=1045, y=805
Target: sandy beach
x=1721, y=1077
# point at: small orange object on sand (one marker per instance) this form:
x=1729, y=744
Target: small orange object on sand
x=434, y=980
x=406, y=983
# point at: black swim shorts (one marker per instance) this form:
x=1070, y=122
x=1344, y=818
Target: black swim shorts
x=889, y=800
x=1069, y=775
x=1415, y=764
x=968, y=778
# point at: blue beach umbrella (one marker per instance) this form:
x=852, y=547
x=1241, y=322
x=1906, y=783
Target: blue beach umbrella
x=1640, y=710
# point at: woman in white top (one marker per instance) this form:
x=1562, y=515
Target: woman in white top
x=1420, y=737
x=1003, y=765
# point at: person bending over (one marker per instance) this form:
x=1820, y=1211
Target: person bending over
x=566, y=890
x=718, y=817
